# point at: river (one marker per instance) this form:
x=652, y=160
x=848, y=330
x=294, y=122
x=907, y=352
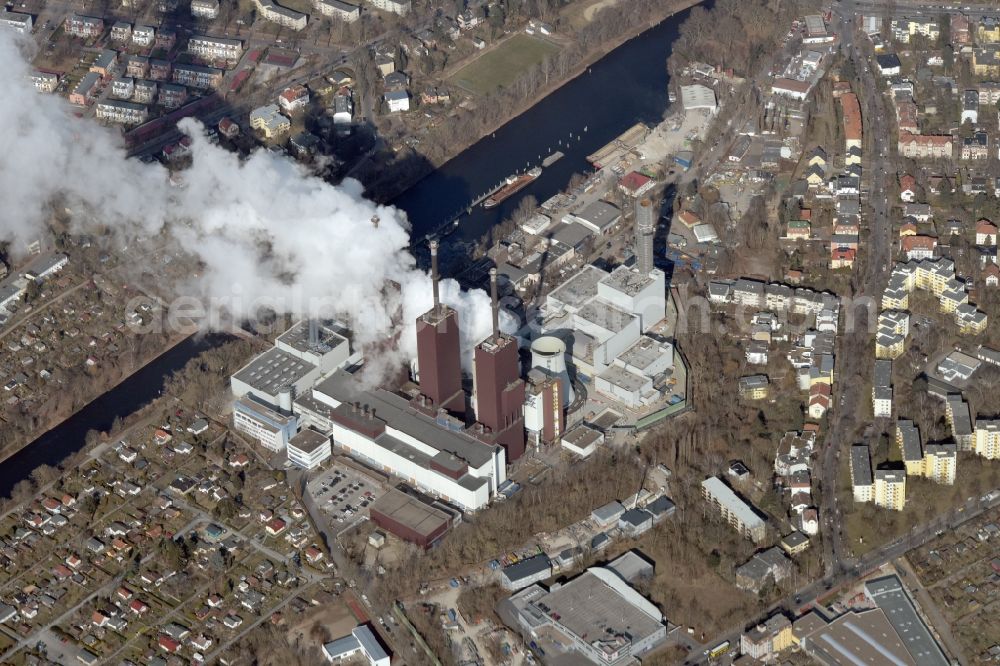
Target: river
x=627, y=86
x=129, y=396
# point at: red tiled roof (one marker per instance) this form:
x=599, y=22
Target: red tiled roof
x=918, y=242
x=852, y=116
x=633, y=181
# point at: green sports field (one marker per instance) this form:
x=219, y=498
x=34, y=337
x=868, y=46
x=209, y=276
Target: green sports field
x=499, y=67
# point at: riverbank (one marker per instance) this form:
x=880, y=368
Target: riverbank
x=58, y=419
x=385, y=192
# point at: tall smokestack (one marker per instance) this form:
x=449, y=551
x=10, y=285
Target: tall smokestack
x=645, y=229
x=434, y=274
x=313, y=333
x=495, y=305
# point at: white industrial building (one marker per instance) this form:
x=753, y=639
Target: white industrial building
x=301, y=382
x=602, y=316
x=308, y=449
x=697, y=96
x=361, y=641
x=384, y=430
x=17, y=21
x=300, y=356
x=596, y=618
x=268, y=427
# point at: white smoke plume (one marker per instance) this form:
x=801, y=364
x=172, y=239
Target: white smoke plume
x=268, y=233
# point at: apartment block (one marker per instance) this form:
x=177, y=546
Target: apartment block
x=734, y=510
x=890, y=489
x=986, y=438
x=940, y=462
x=908, y=441
x=862, y=482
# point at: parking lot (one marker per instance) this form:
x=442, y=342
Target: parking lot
x=344, y=495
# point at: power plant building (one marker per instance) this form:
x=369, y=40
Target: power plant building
x=439, y=363
x=308, y=449
x=601, y=315
x=268, y=427
x=499, y=389
x=389, y=432
x=544, y=418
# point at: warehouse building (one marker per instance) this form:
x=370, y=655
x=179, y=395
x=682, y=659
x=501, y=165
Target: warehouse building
x=595, y=618
x=526, y=572
x=888, y=595
x=409, y=519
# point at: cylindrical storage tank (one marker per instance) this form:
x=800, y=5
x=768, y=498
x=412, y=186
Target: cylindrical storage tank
x=285, y=400
x=549, y=353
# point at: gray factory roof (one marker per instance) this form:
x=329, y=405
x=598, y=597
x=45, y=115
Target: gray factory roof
x=397, y=413
x=572, y=234
x=601, y=214
x=725, y=496
x=861, y=465
x=308, y=440
x=599, y=603
x=410, y=512
x=631, y=565
x=297, y=337
x=622, y=378
x=583, y=436
x=858, y=638
x=644, y=353
x=627, y=281
x=608, y=512
x=606, y=316
x=273, y=370
x=883, y=373
x=889, y=595
x=580, y=288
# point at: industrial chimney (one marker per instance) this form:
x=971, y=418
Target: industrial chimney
x=645, y=230
x=495, y=306
x=434, y=275
x=313, y=333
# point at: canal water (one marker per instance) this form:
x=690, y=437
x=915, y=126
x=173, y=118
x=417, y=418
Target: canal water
x=129, y=396
x=626, y=86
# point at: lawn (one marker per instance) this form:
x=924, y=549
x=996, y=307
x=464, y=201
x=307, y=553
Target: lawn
x=500, y=66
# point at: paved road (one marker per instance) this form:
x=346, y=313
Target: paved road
x=867, y=282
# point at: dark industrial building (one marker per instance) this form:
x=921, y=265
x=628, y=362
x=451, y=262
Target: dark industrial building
x=438, y=357
x=409, y=519
x=499, y=388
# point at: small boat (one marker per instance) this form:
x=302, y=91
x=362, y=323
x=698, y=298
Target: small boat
x=511, y=186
